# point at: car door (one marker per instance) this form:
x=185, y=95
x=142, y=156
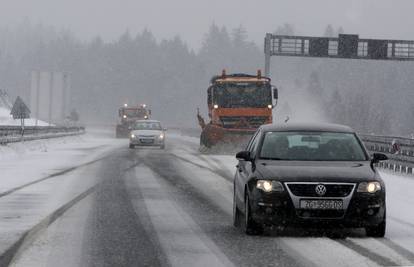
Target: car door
x=244, y=169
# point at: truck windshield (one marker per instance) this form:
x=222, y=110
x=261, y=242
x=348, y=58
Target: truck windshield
x=140, y=113
x=236, y=95
x=312, y=146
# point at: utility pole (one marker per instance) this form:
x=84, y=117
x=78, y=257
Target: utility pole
x=51, y=83
x=267, y=44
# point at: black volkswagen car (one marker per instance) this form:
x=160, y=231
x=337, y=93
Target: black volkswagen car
x=308, y=174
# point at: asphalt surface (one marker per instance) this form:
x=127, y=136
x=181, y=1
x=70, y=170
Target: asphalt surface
x=173, y=208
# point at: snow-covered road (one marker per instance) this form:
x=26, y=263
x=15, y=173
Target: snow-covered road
x=148, y=207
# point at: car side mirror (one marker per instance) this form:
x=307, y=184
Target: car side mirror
x=244, y=155
x=377, y=157
x=275, y=93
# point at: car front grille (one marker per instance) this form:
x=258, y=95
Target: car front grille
x=309, y=189
x=146, y=136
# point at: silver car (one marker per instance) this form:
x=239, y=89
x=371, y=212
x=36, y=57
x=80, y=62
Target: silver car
x=147, y=133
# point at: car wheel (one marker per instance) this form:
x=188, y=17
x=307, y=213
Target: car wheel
x=236, y=212
x=131, y=146
x=250, y=226
x=376, y=230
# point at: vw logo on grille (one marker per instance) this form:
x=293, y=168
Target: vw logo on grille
x=320, y=189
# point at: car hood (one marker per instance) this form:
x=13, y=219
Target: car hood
x=146, y=132
x=295, y=171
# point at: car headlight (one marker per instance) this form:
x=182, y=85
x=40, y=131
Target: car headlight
x=161, y=136
x=132, y=135
x=370, y=187
x=269, y=186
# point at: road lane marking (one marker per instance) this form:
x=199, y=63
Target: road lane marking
x=28, y=237
x=53, y=175
x=183, y=241
x=381, y=250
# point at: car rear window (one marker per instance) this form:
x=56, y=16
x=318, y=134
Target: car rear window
x=312, y=146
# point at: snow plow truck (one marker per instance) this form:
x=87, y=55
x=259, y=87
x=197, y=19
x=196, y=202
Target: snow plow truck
x=128, y=116
x=237, y=105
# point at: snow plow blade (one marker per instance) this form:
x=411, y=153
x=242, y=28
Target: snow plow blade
x=220, y=140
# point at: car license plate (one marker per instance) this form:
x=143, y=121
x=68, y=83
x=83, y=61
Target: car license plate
x=147, y=141
x=312, y=204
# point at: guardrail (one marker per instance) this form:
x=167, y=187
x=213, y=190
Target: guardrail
x=11, y=134
x=401, y=156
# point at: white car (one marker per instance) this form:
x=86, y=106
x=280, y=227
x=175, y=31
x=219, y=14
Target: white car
x=147, y=133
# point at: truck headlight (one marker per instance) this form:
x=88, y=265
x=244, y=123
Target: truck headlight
x=369, y=187
x=161, y=136
x=269, y=106
x=215, y=106
x=125, y=116
x=269, y=186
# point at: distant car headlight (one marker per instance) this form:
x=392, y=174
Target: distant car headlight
x=132, y=135
x=370, y=187
x=269, y=106
x=269, y=186
x=161, y=136
x=125, y=116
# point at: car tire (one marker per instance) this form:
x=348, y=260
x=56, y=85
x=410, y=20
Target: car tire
x=237, y=218
x=250, y=226
x=131, y=146
x=376, y=230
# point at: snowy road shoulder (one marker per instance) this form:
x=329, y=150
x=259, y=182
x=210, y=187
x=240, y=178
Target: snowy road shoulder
x=22, y=163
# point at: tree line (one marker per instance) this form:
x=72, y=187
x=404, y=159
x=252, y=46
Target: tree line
x=172, y=78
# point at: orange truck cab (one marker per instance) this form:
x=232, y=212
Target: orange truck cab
x=237, y=105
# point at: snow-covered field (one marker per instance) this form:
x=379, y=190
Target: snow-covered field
x=24, y=162
x=7, y=119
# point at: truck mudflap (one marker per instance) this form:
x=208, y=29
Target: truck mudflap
x=215, y=139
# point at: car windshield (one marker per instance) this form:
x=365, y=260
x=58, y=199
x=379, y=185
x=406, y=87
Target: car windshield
x=233, y=95
x=147, y=126
x=312, y=146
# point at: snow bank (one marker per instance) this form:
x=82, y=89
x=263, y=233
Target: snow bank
x=24, y=162
x=7, y=119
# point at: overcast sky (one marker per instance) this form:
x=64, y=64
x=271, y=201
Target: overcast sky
x=191, y=18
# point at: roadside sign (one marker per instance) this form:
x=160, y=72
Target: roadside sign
x=20, y=109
